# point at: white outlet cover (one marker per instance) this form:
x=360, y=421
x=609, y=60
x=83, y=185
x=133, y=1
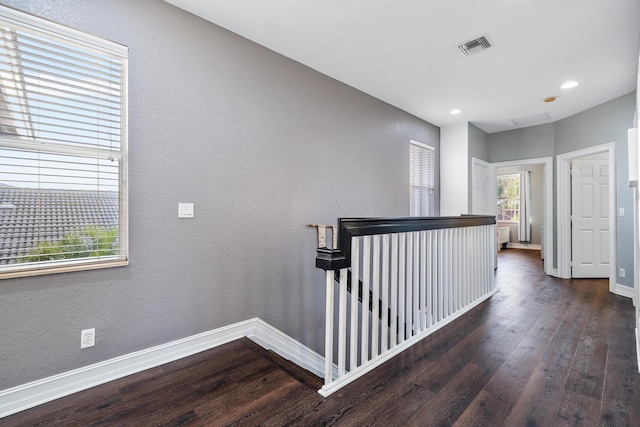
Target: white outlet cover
x=87, y=338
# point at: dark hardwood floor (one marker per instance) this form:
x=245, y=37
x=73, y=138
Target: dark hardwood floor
x=541, y=352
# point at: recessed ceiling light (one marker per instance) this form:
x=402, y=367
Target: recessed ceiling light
x=569, y=85
x=455, y=111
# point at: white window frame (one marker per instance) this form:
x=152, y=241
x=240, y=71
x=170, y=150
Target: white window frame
x=417, y=211
x=55, y=33
x=516, y=175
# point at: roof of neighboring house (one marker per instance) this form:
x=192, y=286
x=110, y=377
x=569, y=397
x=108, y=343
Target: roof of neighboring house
x=29, y=216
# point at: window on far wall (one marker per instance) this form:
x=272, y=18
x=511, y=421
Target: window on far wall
x=422, y=179
x=508, y=197
x=63, y=148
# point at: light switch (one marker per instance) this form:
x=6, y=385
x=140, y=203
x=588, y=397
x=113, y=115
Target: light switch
x=620, y=211
x=185, y=210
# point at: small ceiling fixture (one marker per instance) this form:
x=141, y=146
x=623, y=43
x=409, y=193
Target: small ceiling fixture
x=455, y=111
x=550, y=99
x=569, y=85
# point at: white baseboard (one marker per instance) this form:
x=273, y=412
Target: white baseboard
x=624, y=291
x=524, y=246
x=35, y=393
x=273, y=339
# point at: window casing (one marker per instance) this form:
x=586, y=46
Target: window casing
x=508, y=196
x=63, y=148
x=422, y=179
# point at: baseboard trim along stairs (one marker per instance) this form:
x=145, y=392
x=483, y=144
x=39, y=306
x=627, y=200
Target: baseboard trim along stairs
x=35, y=393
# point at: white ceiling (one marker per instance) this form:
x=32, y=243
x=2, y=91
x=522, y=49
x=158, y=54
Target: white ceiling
x=405, y=52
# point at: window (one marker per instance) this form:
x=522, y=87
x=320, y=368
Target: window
x=508, y=197
x=63, y=148
x=422, y=179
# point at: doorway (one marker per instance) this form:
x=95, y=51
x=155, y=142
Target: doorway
x=564, y=195
x=548, y=220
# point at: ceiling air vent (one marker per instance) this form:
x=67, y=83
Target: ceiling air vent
x=474, y=46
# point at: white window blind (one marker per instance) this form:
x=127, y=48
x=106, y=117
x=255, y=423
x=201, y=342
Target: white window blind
x=422, y=179
x=63, y=150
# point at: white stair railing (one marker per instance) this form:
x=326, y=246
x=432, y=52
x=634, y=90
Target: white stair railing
x=398, y=281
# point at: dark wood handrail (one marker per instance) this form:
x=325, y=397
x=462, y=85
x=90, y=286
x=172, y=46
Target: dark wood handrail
x=336, y=259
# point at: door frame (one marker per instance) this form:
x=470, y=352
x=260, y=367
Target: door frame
x=564, y=208
x=547, y=177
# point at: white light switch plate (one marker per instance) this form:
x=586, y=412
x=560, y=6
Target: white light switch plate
x=185, y=210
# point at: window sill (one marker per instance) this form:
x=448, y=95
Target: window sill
x=45, y=270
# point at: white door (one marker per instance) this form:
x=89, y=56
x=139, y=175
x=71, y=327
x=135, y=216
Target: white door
x=481, y=197
x=590, y=218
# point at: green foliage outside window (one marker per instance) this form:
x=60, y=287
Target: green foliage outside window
x=91, y=241
x=508, y=196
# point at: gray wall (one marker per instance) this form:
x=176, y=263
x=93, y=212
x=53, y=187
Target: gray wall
x=478, y=143
x=601, y=124
x=261, y=144
x=527, y=143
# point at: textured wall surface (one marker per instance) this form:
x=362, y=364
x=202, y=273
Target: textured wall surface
x=260, y=144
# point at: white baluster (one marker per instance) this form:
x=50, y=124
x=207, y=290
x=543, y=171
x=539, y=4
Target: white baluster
x=328, y=339
x=455, y=262
x=461, y=267
x=430, y=282
x=446, y=261
x=355, y=283
x=469, y=258
x=415, y=298
x=384, y=290
x=375, y=298
x=366, y=285
x=409, y=286
x=342, y=323
x=402, y=282
x=393, y=335
x=423, y=280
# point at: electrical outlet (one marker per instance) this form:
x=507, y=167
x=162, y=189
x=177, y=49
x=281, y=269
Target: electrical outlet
x=622, y=272
x=88, y=338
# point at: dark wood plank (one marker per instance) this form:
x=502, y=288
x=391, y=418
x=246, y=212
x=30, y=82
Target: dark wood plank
x=494, y=402
x=586, y=375
x=621, y=395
